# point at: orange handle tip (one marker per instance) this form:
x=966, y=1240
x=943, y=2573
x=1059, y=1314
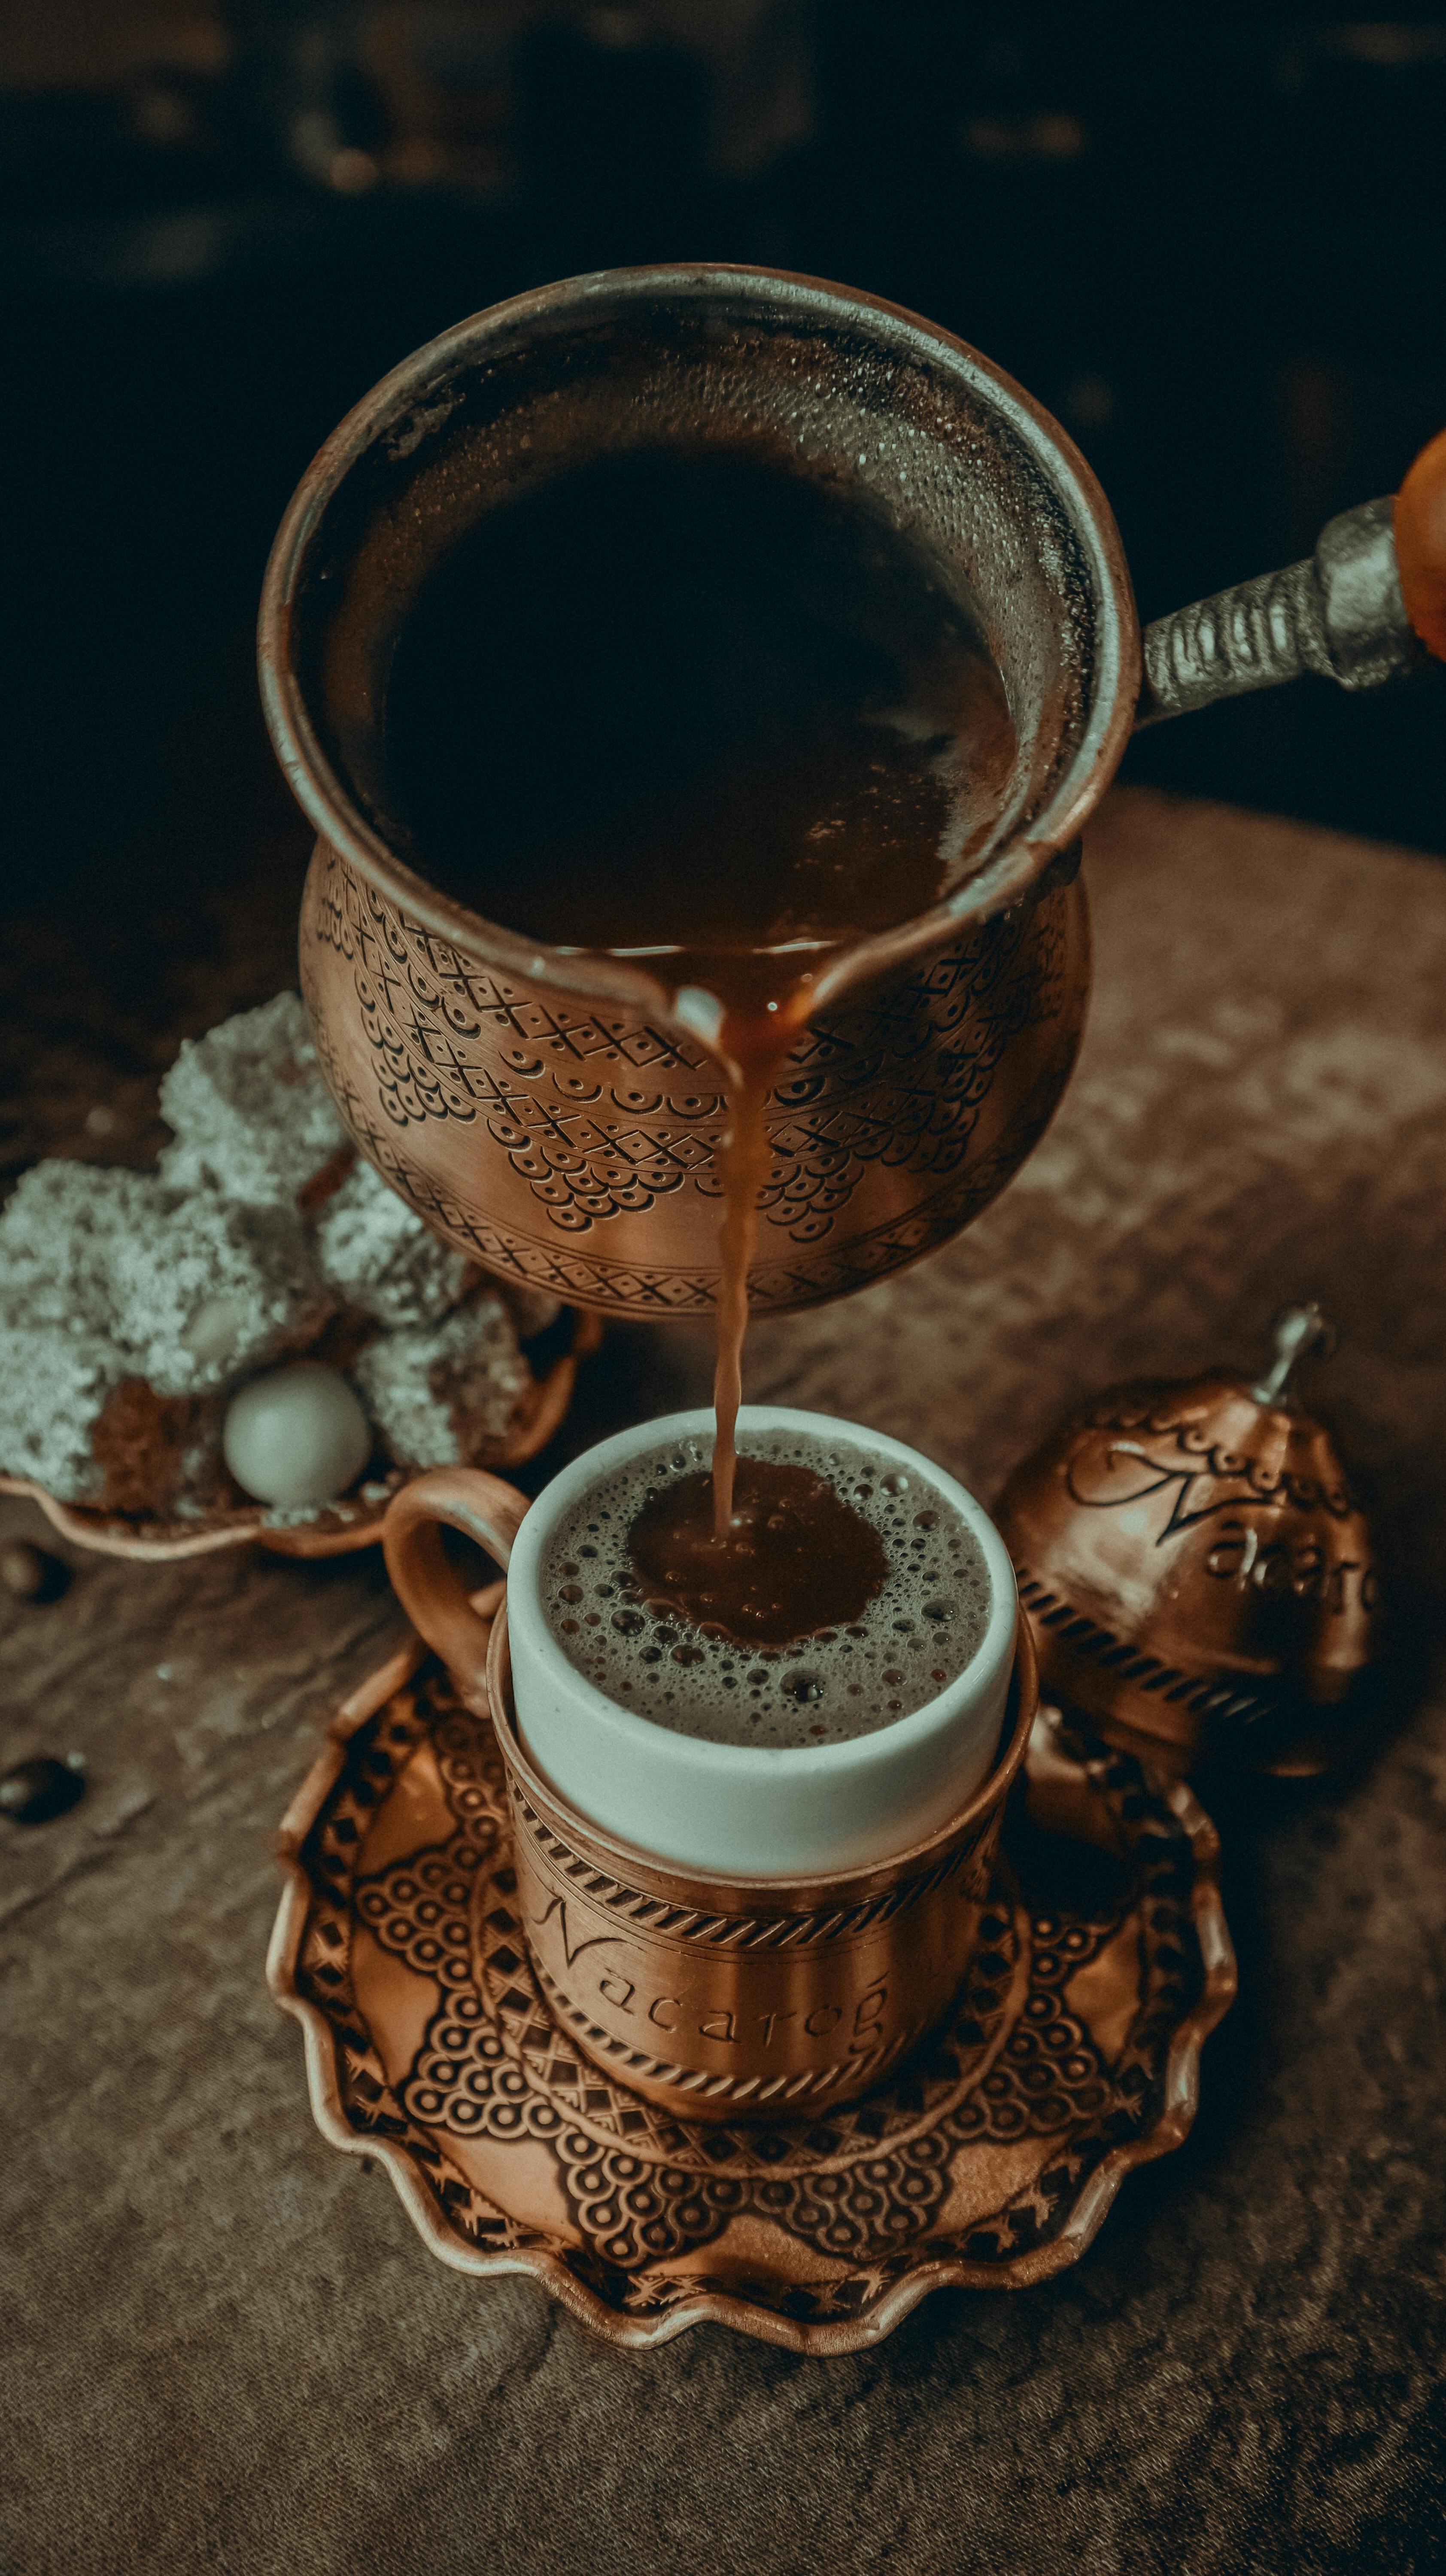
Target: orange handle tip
x=1420, y=532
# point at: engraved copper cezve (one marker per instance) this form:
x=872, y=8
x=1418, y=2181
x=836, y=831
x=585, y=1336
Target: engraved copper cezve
x=553, y=1111
x=547, y=1108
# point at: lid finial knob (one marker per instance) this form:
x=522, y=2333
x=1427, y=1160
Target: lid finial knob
x=1300, y=1332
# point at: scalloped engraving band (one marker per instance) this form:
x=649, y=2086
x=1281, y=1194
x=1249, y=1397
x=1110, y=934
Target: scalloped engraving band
x=573, y=1148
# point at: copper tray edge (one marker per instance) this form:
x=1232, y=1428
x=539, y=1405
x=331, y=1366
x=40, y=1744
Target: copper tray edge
x=88, y=1527
x=844, y=2335
x=1182, y=2067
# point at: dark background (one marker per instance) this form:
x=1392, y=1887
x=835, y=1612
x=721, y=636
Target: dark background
x=1215, y=250
x=1213, y=247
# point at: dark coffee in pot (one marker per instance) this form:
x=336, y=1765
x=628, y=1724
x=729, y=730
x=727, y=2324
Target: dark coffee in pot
x=694, y=705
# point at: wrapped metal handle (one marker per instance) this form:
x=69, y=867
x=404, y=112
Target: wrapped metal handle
x=1342, y=613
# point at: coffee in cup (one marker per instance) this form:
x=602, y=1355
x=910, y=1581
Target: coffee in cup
x=852, y=1593
x=739, y=1801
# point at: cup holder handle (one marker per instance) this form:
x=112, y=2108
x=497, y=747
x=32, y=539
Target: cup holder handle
x=433, y=1595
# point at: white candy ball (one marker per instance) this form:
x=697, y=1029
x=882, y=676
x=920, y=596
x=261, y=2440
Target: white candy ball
x=297, y=1435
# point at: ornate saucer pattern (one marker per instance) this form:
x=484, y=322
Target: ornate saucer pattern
x=989, y=2161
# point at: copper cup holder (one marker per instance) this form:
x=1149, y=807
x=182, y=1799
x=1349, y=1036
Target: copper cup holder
x=725, y=1999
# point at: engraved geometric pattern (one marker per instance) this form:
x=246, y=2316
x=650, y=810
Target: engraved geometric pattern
x=742, y=1931
x=963, y=1869
x=862, y=2190
x=600, y=1116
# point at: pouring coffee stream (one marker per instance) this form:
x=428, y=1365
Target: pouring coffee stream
x=745, y=1166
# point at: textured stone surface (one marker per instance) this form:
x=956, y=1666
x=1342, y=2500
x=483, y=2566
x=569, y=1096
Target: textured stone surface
x=226, y=2347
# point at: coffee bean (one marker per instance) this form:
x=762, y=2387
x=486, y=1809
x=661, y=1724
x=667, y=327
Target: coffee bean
x=29, y=1573
x=35, y=1791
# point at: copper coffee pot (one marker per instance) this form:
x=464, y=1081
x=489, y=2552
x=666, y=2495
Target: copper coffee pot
x=554, y=1112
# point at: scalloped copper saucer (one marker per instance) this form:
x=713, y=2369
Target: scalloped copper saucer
x=1072, y=2055
x=337, y=1529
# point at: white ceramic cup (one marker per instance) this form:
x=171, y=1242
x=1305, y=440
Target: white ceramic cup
x=743, y=1811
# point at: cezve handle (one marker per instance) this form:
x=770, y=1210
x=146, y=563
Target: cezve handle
x=1365, y=608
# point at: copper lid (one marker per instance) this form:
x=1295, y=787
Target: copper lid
x=1198, y=1568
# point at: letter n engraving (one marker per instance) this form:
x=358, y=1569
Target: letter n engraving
x=572, y=1949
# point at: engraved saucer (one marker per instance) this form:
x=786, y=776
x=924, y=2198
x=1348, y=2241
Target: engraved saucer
x=989, y=2162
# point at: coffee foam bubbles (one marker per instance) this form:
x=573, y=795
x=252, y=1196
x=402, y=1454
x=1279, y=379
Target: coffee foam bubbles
x=919, y=1632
